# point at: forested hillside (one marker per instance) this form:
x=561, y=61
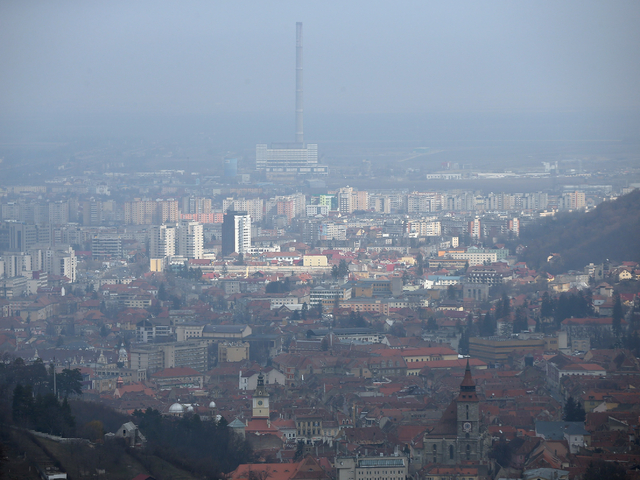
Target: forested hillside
x=610, y=231
x=198, y=449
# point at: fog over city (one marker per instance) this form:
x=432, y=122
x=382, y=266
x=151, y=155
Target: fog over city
x=95, y=65
x=328, y=240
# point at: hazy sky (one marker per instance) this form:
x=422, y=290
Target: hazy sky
x=185, y=57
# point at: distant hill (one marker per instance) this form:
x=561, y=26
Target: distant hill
x=610, y=231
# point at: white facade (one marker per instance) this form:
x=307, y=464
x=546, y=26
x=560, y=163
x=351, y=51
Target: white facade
x=162, y=241
x=284, y=157
x=242, y=226
x=475, y=258
x=314, y=210
x=55, y=261
x=190, y=240
x=254, y=207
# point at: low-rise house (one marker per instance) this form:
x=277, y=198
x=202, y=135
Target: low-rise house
x=132, y=435
x=248, y=380
x=573, y=432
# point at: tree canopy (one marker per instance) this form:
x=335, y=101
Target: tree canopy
x=610, y=231
x=573, y=411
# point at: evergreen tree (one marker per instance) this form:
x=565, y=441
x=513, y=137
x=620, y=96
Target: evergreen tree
x=432, y=324
x=334, y=272
x=573, y=411
x=617, y=316
x=197, y=273
x=520, y=323
x=506, y=305
x=69, y=382
x=463, y=344
x=22, y=405
x=451, y=292
x=420, y=269
x=162, y=293
x=343, y=268
x=488, y=326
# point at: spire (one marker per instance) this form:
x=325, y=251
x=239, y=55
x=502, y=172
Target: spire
x=468, y=384
x=260, y=390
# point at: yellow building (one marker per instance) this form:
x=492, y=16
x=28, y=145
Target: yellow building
x=156, y=265
x=314, y=261
x=233, y=352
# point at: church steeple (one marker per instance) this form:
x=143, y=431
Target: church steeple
x=468, y=408
x=468, y=386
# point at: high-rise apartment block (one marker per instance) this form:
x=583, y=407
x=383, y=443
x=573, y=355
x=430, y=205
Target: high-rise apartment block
x=190, y=240
x=162, y=241
x=475, y=230
x=572, y=201
x=253, y=206
x=236, y=232
x=149, y=212
x=196, y=205
x=91, y=212
x=59, y=212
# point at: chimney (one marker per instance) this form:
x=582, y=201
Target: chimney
x=299, y=106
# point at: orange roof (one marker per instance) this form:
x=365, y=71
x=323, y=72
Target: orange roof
x=583, y=366
x=460, y=363
x=414, y=352
x=308, y=468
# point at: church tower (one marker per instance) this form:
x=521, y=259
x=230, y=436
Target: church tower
x=468, y=419
x=458, y=437
x=260, y=400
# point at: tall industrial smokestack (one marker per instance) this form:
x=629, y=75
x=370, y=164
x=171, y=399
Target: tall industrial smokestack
x=299, y=106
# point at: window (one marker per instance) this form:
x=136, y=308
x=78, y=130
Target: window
x=467, y=412
x=451, y=452
x=468, y=452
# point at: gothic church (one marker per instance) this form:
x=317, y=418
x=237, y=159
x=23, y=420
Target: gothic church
x=459, y=437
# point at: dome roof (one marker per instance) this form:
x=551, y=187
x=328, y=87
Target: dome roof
x=122, y=351
x=176, y=408
x=190, y=408
x=212, y=404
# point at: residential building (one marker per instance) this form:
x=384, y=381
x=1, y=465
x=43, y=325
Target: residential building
x=236, y=232
x=329, y=296
x=190, y=239
x=365, y=468
x=233, y=351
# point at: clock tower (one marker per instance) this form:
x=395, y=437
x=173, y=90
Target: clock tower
x=260, y=400
x=468, y=418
